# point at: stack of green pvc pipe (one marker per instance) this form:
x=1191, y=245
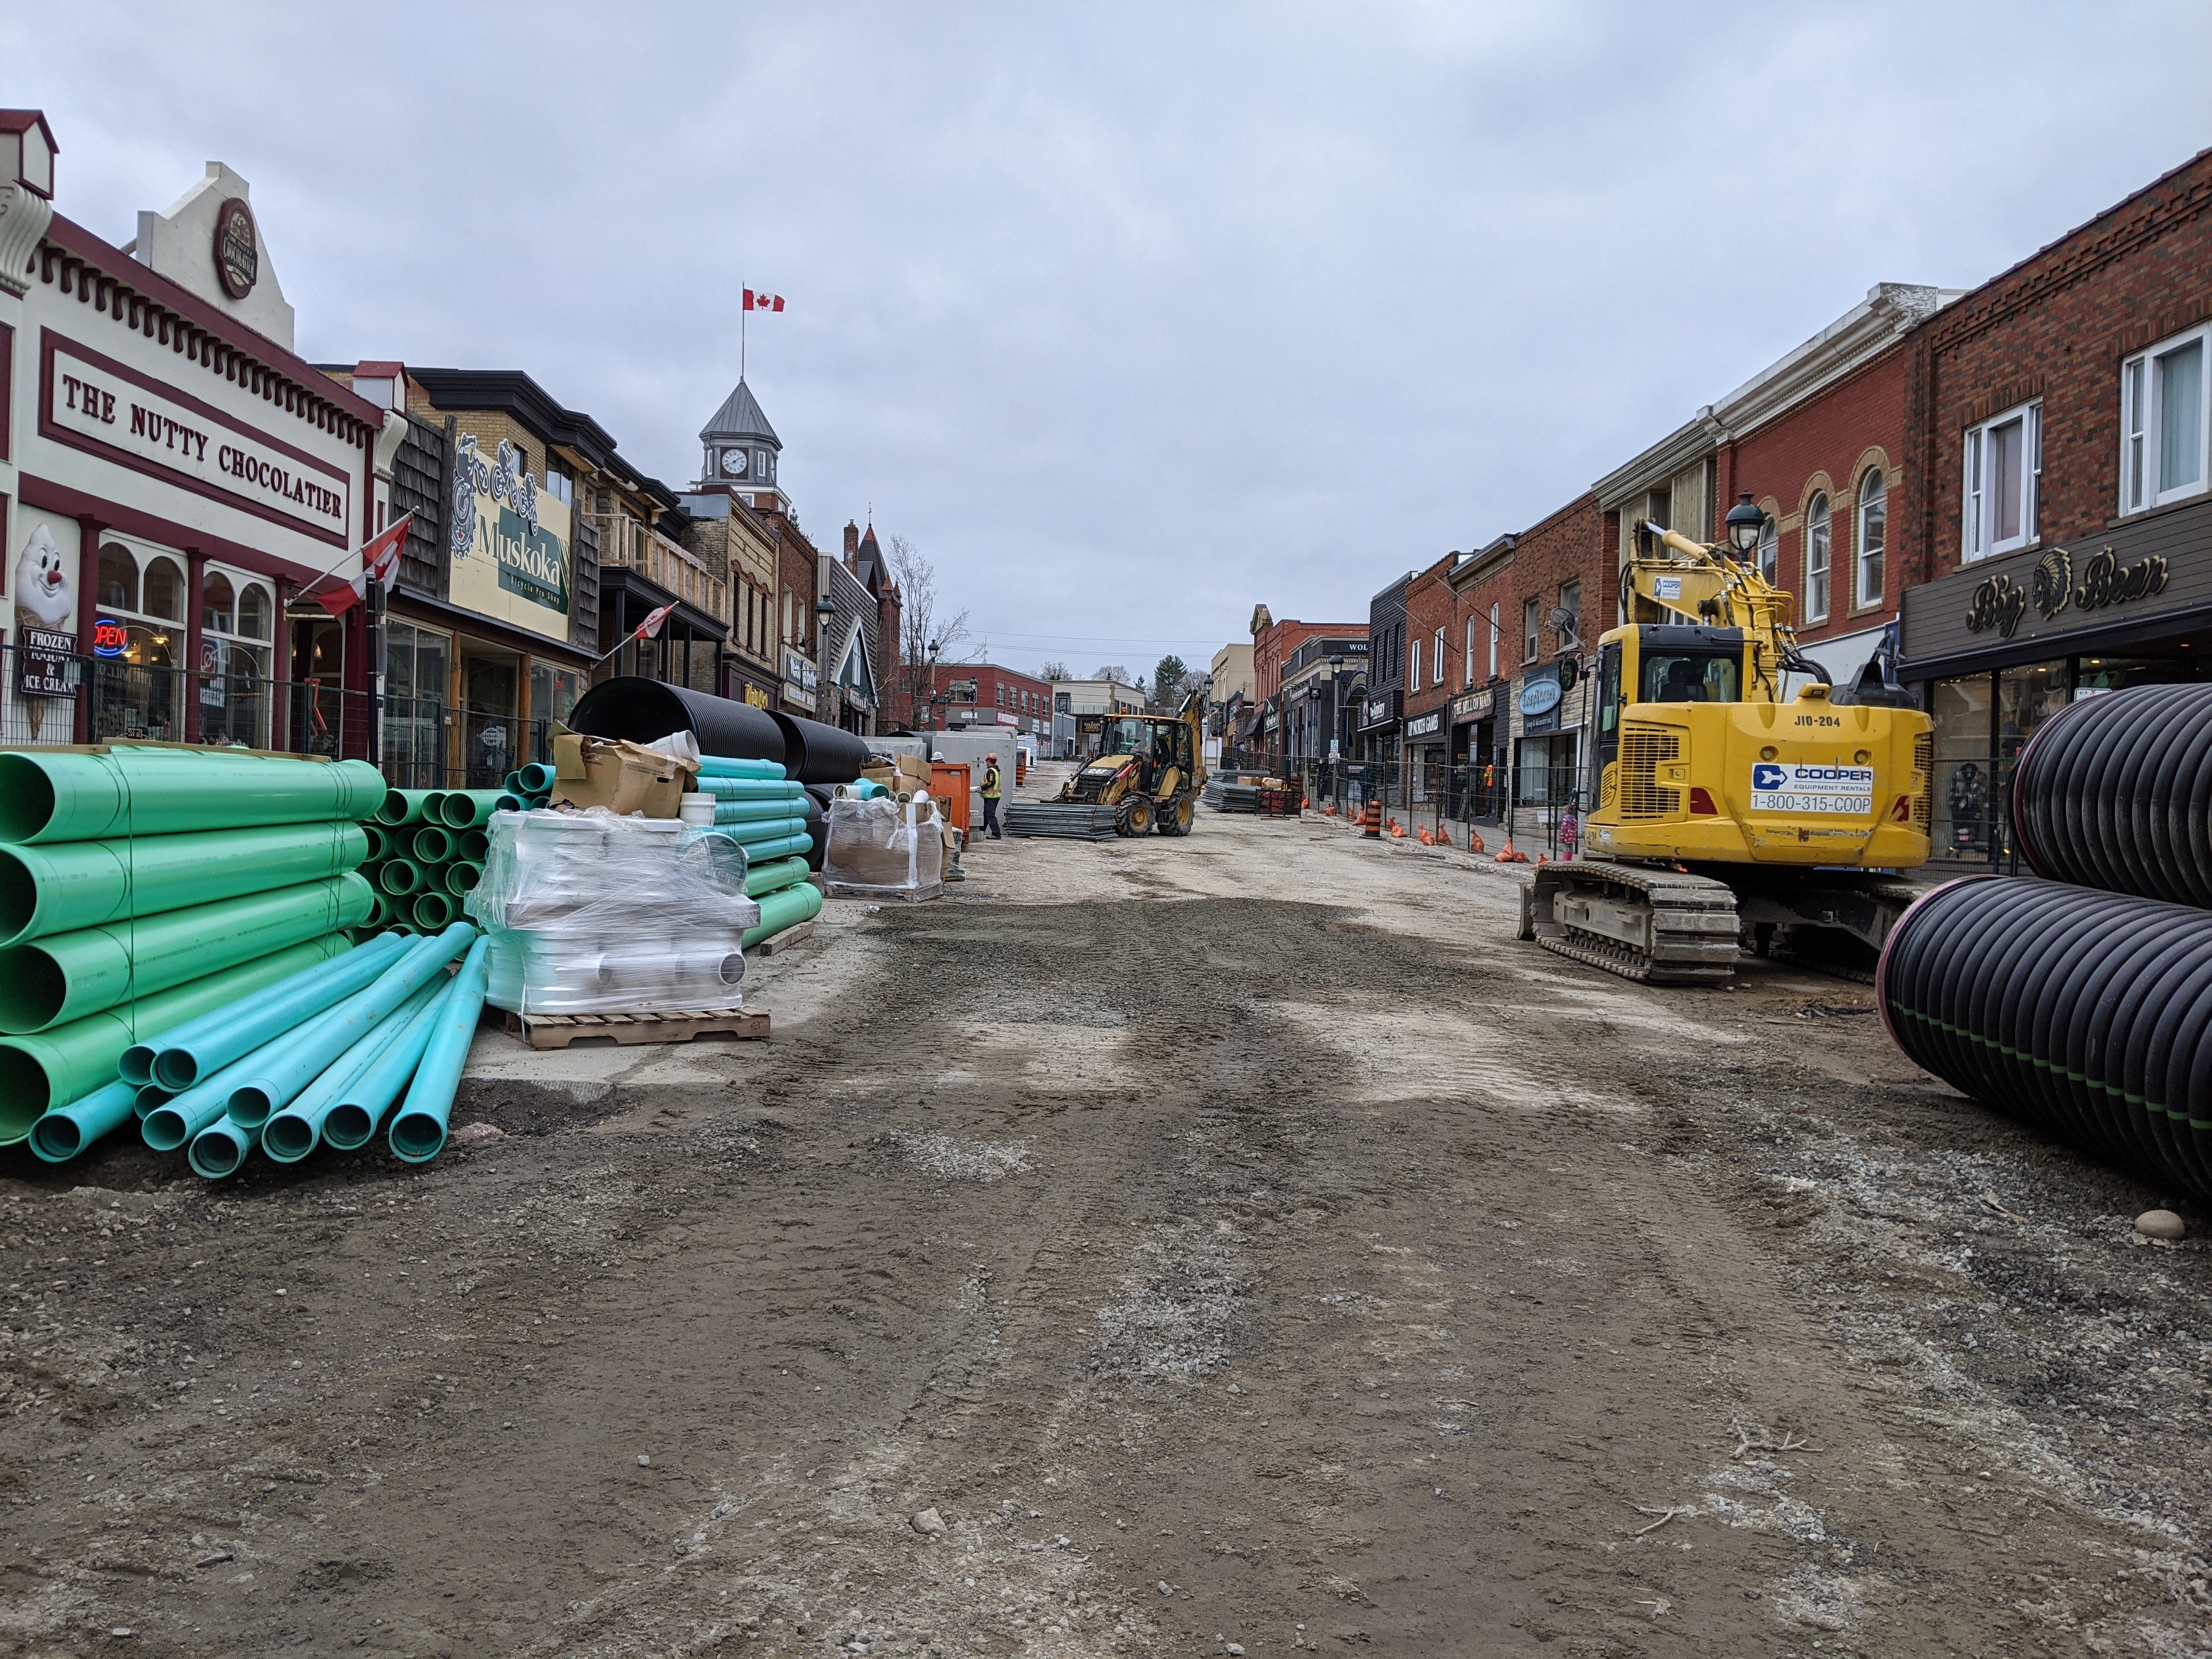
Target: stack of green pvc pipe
x=426, y=853
x=141, y=887
x=529, y=787
x=764, y=812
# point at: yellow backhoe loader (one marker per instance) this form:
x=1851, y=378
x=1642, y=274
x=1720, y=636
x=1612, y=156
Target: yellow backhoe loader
x=1727, y=816
x=1147, y=775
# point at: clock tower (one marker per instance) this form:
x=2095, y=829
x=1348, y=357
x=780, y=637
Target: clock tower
x=742, y=453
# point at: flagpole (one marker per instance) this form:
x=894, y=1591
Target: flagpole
x=332, y=569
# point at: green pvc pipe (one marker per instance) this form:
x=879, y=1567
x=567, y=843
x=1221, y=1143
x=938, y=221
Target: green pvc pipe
x=281, y=1070
x=291, y=1134
x=350, y=1123
x=434, y=807
x=750, y=830
x=433, y=844
x=176, y=1058
x=748, y=788
x=150, y=1097
x=403, y=806
x=766, y=850
x=54, y=980
x=434, y=908
x=535, y=779
x=728, y=811
x=728, y=766
x=74, y=1059
x=399, y=876
x=418, y=1133
x=463, y=809
x=510, y=804
x=462, y=876
x=64, y=1132
x=219, y=1149
x=774, y=876
x=379, y=915
x=511, y=783
x=785, y=907
x=379, y=844
x=55, y=795
x=61, y=888
x=472, y=845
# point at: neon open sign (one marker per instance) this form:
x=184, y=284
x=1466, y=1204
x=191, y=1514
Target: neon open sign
x=109, y=639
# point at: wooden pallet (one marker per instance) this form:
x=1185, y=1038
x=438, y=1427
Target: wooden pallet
x=782, y=941
x=564, y=1031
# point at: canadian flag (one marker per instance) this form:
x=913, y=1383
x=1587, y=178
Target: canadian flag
x=380, y=557
x=650, y=627
x=757, y=302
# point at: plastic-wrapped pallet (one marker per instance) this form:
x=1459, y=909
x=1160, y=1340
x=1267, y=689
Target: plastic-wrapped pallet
x=881, y=849
x=587, y=913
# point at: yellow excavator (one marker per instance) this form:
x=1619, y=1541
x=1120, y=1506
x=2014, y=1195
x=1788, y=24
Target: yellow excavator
x=1147, y=777
x=1727, y=816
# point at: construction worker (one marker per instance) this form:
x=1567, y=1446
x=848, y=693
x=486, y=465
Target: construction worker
x=992, y=790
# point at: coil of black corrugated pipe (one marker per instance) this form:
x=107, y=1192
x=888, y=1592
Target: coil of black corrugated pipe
x=2087, y=1015
x=2114, y=791
x=815, y=753
x=818, y=825
x=642, y=710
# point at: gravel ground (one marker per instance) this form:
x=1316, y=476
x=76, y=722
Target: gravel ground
x=1235, y=1243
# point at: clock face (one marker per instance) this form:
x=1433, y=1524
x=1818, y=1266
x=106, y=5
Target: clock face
x=733, y=463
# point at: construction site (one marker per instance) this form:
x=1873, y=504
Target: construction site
x=1232, y=1242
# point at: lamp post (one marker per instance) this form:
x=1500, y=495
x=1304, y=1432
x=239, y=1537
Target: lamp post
x=929, y=721
x=824, y=609
x=1744, y=522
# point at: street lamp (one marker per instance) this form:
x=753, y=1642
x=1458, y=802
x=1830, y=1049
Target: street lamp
x=936, y=648
x=824, y=608
x=1745, y=521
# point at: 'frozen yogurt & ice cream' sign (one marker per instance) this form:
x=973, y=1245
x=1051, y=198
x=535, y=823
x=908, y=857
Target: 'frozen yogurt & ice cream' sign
x=92, y=403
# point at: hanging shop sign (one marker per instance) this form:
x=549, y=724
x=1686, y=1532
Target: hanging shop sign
x=509, y=542
x=1474, y=705
x=1425, y=726
x=1539, y=701
x=1379, y=709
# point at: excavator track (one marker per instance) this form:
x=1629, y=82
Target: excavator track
x=1646, y=923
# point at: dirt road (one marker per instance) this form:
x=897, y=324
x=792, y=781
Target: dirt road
x=1229, y=1245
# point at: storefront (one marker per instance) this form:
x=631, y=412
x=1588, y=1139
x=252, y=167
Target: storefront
x=1997, y=647
x=1379, y=721
x=1474, y=752
x=1423, y=738
x=1549, y=709
x=174, y=483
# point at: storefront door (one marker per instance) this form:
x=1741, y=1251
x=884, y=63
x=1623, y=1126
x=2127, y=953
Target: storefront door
x=491, y=734
x=317, y=683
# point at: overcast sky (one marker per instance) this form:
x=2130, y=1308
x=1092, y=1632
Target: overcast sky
x=1128, y=316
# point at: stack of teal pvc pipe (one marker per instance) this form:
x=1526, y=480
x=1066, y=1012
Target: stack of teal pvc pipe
x=141, y=889
x=426, y=852
x=528, y=787
x=764, y=812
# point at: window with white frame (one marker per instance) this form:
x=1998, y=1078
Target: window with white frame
x=2004, y=465
x=1414, y=665
x=1436, y=661
x=1466, y=655
x=1494, y=642
x=1529, y=644
x=1571, y=601
x=1872, y=541
x=237, y=618
x=2165, y=437
x=1819, y=534
x=1769, y=551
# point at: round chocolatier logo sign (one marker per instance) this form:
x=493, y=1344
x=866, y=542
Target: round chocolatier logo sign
x=237, y=248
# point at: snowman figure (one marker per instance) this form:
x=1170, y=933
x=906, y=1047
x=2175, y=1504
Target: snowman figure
x=44, y=598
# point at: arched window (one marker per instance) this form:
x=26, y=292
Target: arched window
x=253, y=608
x=1769, y=551
x=1873, y=535
x=1818, y=532
x=119, y=579
x=217, y=602
x=164, y=590
x=236, y=617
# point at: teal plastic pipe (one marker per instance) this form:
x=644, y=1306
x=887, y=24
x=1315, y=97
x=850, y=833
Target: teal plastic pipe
x=73, y=884
x=434, y=908
x=418, y=1133
x=401, y=806
x=535, y=779
x=754, y=812
x=150, y=1097
x=178, y=1059
x=748, y=788
x=773, y=876
x=433, y=844
x=64, y=1132
x=350, y=1123
x=785, y=907
x=380, y=843
x=54, y=980
x=511, y=783
x=434, y=807
x=53, y=795
x=766, y=850
x=463, y=809
x=291, y=1134
x=177, y=1120
x=728, y=766
x=511, y=804
x=462, y=876
x=219, y=1149
x=282, y=1069
x=752, y=830
x=399, y=876
x=379, y=915
x=472, y=845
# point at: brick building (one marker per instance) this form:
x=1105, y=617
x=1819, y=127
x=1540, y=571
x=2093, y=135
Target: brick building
x=2065, y=546
x=986, y=694
x=1273, y=643
x=1427, y=666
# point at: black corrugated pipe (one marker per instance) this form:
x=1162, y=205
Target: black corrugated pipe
x=2085, y=1014
x=815, y=753
x=2114, y=791
x=818, y=825
x=630, y=705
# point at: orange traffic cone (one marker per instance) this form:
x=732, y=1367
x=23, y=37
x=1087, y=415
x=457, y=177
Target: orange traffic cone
x=1427, y=840
x=1443, y=837
x=1329, y=812
x=1473, y=842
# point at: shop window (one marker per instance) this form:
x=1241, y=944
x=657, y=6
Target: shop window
x=2004, y=467
x=2164, y=422
x=1770, y=552
x=163, y=591
x=1873, y=538
x=119, y=579
x=218, y=603
x=234, y=669
x=553, y=695
x=1529, y=645
x=1965, y=775
x=1571, y=601
x=417, y=666
x=1818, y=533
x=255, y=608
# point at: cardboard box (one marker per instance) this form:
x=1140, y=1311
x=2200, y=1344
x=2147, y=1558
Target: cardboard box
x=913, y=767
x=622, y=776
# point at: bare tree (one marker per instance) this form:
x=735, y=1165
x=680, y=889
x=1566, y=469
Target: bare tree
x=1054, y=670
x=1114, y=671
x=923, y=633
